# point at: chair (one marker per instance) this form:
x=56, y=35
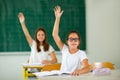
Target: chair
x=50, y=67
x=101, y=65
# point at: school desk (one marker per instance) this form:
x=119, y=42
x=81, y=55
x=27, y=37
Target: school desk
x=48, y=67
x=25, y=70
x=115, y=75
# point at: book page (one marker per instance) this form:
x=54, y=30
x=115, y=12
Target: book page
x=47, y=73
x=51, y=73
x=33, y=64
x=64, y=74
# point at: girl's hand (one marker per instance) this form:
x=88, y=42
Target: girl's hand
x=58, y=12
x=75, y=73
x=21, y=17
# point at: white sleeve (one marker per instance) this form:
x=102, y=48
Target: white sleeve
x=51, y=49
x=33, y=46
x=83, y=55
x=64, y=49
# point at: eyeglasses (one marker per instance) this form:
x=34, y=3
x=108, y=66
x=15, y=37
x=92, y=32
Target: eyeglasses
x=75, y=39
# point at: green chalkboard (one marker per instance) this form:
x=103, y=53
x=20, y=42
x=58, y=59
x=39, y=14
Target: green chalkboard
x=39, y=13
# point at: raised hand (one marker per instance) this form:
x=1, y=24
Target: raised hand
x=21, y=17
x=25, y=30
x=58, y=12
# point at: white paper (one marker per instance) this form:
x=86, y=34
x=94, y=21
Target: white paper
x=50, y=73
x=33, y=64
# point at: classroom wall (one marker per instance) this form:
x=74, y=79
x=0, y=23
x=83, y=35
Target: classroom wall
x=103, y=20
x=11, y=65
x=103, y=35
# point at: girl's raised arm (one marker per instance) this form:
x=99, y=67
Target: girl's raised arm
x=58, y=12
x=25, y=30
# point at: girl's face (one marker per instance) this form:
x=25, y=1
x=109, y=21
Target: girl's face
x=40, y=36
x=73, y=41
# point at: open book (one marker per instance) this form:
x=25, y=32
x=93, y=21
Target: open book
x=33, y=64
x=51, y=73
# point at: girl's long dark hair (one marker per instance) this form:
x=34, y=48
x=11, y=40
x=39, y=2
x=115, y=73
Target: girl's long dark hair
x=45, y=42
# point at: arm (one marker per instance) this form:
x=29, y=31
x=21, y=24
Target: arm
x=22, y=22
x=54, y=59
x=56, y=37
x=84, y=69
x=53, y=56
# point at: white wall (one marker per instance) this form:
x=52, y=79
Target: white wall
x=103, y=35
x=11, y=65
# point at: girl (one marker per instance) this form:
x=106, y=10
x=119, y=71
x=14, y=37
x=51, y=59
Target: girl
x=74, y=60
x=40, y=48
